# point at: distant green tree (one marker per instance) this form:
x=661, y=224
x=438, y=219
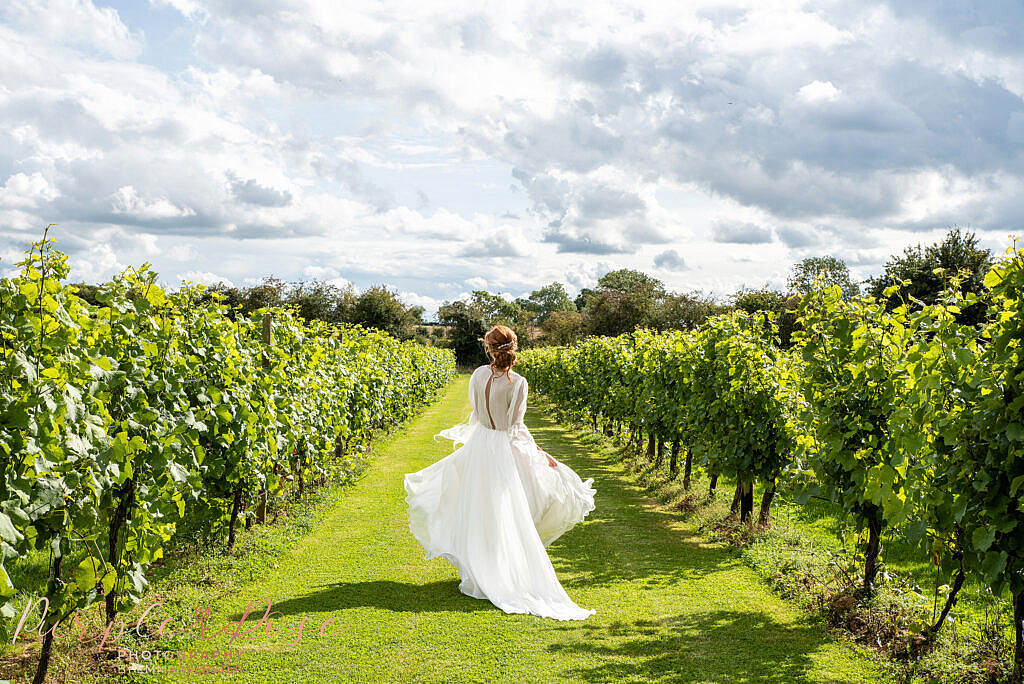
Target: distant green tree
x=628, y=281
x=563, y=327
x=826, y=270
x=548, y=299
x=781, y=305
x=612, y=313
x=88, y=292
x=764, y=299
x=625, y=300
x=583, y=298
x=270, y=292
x=376, y=307
x=465, y=323
x=929, y=270
x=685, y=311
x=496, y=310
x=380, y=308
x=529, y=309
x=318, y=300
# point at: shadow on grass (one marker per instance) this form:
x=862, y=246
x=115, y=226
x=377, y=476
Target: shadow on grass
x=400, y=597
x=719, y=646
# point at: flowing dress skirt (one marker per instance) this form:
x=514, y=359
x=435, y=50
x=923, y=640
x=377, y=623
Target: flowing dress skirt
x=490, y=508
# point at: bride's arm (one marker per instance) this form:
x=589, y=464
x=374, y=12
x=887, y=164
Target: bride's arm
x=517, y=422
x=459, y=432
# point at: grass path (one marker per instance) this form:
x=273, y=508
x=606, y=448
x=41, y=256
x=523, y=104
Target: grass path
x=670, y=607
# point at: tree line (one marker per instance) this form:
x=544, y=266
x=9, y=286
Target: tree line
x=626, y=300
x=377, y=307
x=148, y=413
x=622, y=301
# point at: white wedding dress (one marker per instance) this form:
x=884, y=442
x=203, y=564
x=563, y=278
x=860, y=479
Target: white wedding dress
x=492, y=505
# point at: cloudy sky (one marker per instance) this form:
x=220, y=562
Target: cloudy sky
x=441, y=148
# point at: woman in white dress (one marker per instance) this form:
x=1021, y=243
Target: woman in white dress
x=491, y=506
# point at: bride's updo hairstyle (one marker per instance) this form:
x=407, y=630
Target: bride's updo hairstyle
x=501, y=345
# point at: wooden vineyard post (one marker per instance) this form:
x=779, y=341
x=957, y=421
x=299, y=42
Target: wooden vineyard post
x=268, y=322
x=687, y=469
x=747, y=500
x=261, y=500
x=236, y=507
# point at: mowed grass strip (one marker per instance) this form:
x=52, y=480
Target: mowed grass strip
x=670, y=607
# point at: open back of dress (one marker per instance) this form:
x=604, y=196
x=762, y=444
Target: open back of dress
x=494, y=403
x=498, y=392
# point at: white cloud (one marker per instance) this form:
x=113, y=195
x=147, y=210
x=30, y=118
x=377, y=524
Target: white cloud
x=183, y=252
x=817, y=92
x=428, y=145
x=670, y=260
x=74, y=22
x=741, y=232
x=26, y=191
x=188, y=8
x=429, y=304
x=96, y=264
x=501, y=243
x=126, y=200
x=328, y=275
x=204, y=278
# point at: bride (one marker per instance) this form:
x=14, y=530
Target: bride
x=492, y=505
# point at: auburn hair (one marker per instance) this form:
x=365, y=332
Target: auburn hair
x=501, y=344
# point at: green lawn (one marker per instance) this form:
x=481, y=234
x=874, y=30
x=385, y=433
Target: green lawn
x=670, y=607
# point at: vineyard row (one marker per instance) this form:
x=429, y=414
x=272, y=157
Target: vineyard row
x=903, y=417
x=121, y=423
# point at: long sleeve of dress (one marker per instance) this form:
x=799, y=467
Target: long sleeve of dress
x=460, y=432
x=520, y=435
